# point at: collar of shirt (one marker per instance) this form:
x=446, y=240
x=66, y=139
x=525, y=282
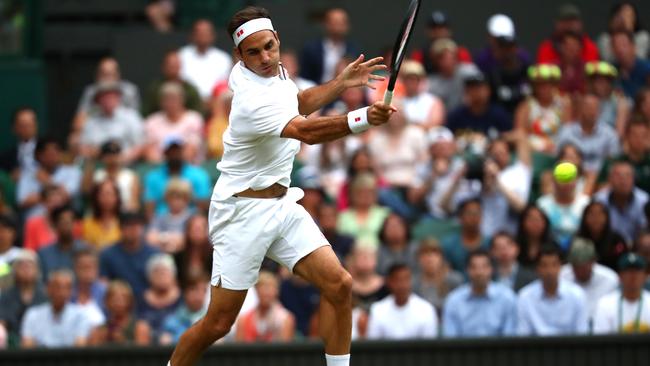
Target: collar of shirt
x=250, y=75
x=490, y=292
x=630, y=200
x=558, y=293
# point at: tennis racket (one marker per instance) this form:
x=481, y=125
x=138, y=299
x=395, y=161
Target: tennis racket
x=399, y=49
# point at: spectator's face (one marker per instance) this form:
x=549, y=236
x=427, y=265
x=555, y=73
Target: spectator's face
x=177, y=202
x=25, y=126
x=621, y=179
x=86, y=269
x=411, y=84
x=571, y=155
x=131, y=232
x=364, y=261
x=548, y=268
x=50, y=157
x=59, y=290
x=112, y=160
x=443, y=149
x=637, y=138
x=590, y=111
x=107, y=197
x=327, y=218
x=430, y=261
x=504, y=250
x=544, y=90
x=161, y=277
x=570, y=50
x=582, y=271
x=399, y=284
x=447, y=62
x=623, y=48
x=336, y=24
x=108, y=71
x=479, y=271
x=602, y=86
x=194, y=296
x=198, y=230
x=260, y=52
x=364, y=197
x=395, y=230
x=500, y=153
x=267, y=294
x=171, y=68
x=596, y=219
x=643, y=247
x=174, y=157
x=477, y=95
x=632, y=279
x=65, y=225
x=361, y=163
x=627, y=16
x=7, y=238
x=25, y=272
x=172, y=103
x=54, y=198
x=439, y=32
x=290, y=63
x=534, y=224
x=118, y=302
x=108, y=101
x=470, y=218
x=203, y=34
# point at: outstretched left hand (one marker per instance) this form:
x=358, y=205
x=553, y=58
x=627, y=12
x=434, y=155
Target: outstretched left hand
x=359, y=73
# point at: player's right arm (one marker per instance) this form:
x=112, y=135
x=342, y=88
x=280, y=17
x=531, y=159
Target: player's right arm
x=323, y=129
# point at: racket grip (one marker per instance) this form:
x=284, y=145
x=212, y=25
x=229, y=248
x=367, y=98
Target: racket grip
x=388, y=97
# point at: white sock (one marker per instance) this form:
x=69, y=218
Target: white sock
x=337, y=360
x=169, y=363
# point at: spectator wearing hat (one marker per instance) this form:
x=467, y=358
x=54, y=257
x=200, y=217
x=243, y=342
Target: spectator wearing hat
x=634, y=72
x=173, y=120
x=420, y=107
x=636, y=151
x=480, y=308
x=434, y=279
x=171, y=72
x=457, y=246
x=568, y=20
x=448, y=81
x=504, y=63
x=8, y=250
x=624, y=16
x=626, y=310
x=438, y=27
x=541, y=115
x=614, y=107
x=21, y=157
x=60, y=254
x=166, y=231
x=596, y=227
x=175, y=165
x=126, y=260
x=202, y=64
x=595, y=279
x=112, y=121
x=551, y=305
x=504, y=251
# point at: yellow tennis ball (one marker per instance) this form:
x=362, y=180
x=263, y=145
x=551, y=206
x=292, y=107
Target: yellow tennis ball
x=565, y=172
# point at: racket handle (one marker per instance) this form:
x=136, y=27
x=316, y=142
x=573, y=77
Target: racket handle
x=388, y=97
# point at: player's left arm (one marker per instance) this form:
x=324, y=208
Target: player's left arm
x=357, y=73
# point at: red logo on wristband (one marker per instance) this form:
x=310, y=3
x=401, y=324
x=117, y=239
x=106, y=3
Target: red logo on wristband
x=357, y=119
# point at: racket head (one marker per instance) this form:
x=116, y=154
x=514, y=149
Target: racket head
x=402, y=41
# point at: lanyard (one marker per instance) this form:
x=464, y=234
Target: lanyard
x=637, y=319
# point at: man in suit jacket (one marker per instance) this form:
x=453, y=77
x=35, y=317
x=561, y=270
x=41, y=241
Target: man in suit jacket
x=21, y=156
x=320, y=57
x=504, y=250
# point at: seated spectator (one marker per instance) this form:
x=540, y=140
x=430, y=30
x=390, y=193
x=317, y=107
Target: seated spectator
x=364, y=218
x=301, y=299
x=88, y=291
x=38, y=231
x=396, y=245
x=421, y=108
x=596, y=227
x=551, y=305
x=269, y=321
x=102, y=227
x=533, y=232
x=160, y=14
x=457, y=246
x=8, y=250
x=624, y=310
x=171, y=72
x=633, y=71
x=60, y=254
x=166, y=230
x=217, y=125
x=569, y=153
x=175, y=165
x=368, y=286
x=162, y=296
x=624, y=201
x=173, y=120
x=564, y=209
x=202, y=64
x=478, y=114
x=112, y=122
x=193, y=308
x=480, y=308
x=438, y=27
x=542, y=114
x=504, y=251
x=327, y=220
x=21, y=157
x=402, y=314
x=624, y=15
x=49, y=170
x=642, y=104
x=126, y=260
x=121, y=325
x=571, y=64
x=614, y=106
x=598, y=141
x=360, y=161
x=434, y=279
x=58, y=322
x=568, y=19
x=504, y=63
x=195, y=258
x=447, y=82
x=113, y=169
x=595, y=279
x=26, y=291
x=108, y=71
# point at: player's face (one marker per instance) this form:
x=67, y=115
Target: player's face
x=260, y=52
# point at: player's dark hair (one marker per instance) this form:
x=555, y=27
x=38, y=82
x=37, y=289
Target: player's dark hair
x=396, y=268
x=478, y=253
x=244, y=15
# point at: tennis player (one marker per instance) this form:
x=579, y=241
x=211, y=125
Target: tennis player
x=253, y=213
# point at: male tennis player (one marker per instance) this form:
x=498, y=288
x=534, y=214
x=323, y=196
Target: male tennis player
x=253, y=213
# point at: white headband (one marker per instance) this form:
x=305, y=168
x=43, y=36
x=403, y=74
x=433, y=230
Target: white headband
x=251, y=27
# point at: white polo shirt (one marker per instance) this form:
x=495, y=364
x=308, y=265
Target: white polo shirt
x=416, y=319
x=50, y=330
x=255, y=156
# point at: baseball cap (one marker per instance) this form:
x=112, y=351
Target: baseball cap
x=582, y=251
x=439, y=134
x=438, y=19
x=172, y=141
x=110, y=147
x=412, y=67
x=568, y=11
x=631, y=261
x=474, y=77
x=500, y=26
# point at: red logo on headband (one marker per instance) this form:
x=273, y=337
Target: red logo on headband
x=357, y=119
x=241, y=31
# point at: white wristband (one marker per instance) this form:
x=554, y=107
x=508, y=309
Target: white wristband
x=358, y=120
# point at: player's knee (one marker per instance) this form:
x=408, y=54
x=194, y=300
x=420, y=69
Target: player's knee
x=219, y=328
x=341, y=291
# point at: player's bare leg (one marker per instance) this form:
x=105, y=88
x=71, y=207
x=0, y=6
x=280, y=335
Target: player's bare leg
x=222, y=312
x=323, y=269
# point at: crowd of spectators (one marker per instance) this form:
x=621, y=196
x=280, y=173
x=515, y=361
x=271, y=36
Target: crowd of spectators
x=448, y=218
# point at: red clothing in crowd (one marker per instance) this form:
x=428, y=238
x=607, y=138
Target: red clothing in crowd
x=547, y=54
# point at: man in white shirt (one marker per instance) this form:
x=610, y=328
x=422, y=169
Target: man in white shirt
x=595, y=279
x=421, y=107
x=253, y=214
x=402, y=314
x=626, y=310
x=202, y=64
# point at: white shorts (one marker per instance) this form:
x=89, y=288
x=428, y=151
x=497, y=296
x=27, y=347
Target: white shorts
x=245, y=230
